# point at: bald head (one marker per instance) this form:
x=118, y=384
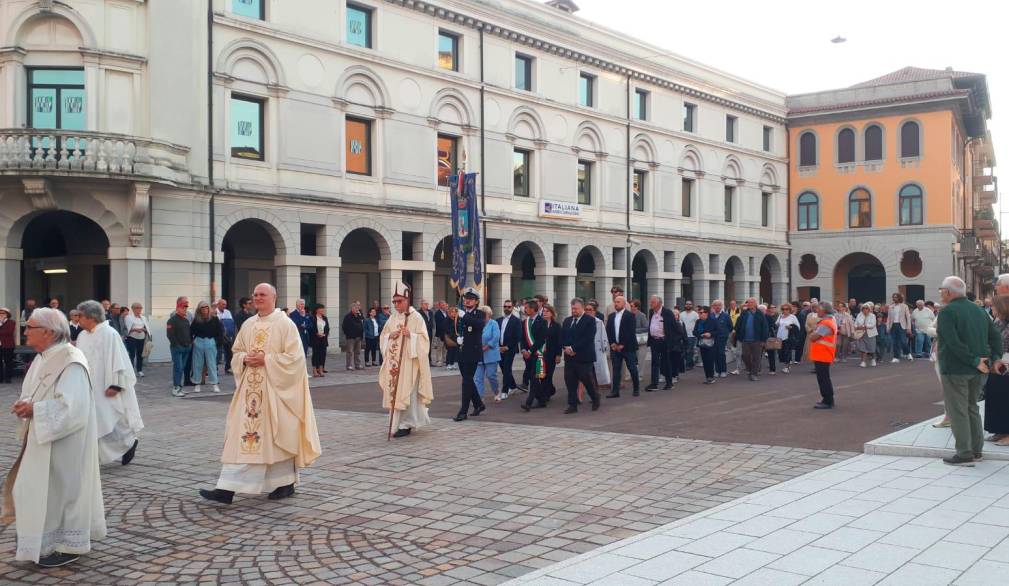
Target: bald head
x=264, y=298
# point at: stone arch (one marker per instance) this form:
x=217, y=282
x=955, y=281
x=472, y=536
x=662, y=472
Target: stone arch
x=45, y=10
x=14, y=219
x=284, y=241
x=238, y=53
x=383, y=239
x=691, y=160
x=732, y=168
x=526, y=123
x=771, y=274
x=538, y=254
x=589, y=138
x=359, y=85
x=527, y=280
x=735, y=275
x=430, y=247
x=590, y=284
x=694, y=260
x=643, y=149
x=769, y=177
x=598, y=258
x=450, y=106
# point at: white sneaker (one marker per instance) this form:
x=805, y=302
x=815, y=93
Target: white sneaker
x=895, y=360
x=675, y=380
x=141, y=374
x=196, y=389
x=910, y=358
x=931, y=358
x=178, y=392
x=873, y=363
x=504, y=395
x=723, y=375
x=216, y=389
x=734, y=372
x=772, y=373
x=861, y=364
x=785, y=370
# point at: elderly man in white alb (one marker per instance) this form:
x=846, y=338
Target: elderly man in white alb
x=113, y=385
x=271, y=429
x=54, y=492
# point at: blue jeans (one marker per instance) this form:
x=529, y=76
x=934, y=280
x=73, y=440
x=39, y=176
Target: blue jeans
x=688, y=352
x=179, y=356
x=205, y=353
x=631, y=358
x=900, y=343
x=922, y=345
x=488, y=370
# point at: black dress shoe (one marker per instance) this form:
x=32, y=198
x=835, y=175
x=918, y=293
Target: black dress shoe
x=218, y=495
x=57, y=559
x=636, y=393
x=460, y=417
x=613, y=396
x=595, y=405
x=281, y=492
x=570, y=410
x=651, y=388
x=128, y=456
x=478, y=410
x=523, y=388
x=401, y=433
x=822, y=405
x=525, y=407
x=667, y=387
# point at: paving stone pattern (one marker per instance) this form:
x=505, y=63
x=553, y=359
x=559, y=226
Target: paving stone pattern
x=476, y=503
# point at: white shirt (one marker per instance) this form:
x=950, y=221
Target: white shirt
x=617, y=316
x=689, y=318
x=922, y=319
x=223, y=314
x=783, y=322
x=133, y=321
x=504, y=324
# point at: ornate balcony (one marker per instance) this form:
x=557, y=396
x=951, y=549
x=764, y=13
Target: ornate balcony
x=45, y=152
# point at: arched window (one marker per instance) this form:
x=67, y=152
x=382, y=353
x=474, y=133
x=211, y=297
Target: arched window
x=807, y=149
x=860, y=209
x=809, y=211
x=846, y=146
x=874, y=143
x=910, y=140
x=910, y=205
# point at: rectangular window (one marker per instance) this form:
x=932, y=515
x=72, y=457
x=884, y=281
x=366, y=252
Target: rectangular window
x=520, y=173
x=448, y=157
x=56, y=99
x=249, y=8
x=730, y=129
x=448, y=51
x=358, y=139
x=585, y=183
x=686, y=197
x=359, y=25
x=586, y=90
x=246, y=128
x=689, y=112
x=640, y=105
x=765, y=209
x=730, y=196
x=638, y=190
x=523, y=72
x=768, y=132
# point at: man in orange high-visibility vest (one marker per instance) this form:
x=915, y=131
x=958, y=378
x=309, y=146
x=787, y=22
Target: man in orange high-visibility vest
x=821, y=352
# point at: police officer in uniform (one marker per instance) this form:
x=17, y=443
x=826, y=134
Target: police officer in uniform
x=470, y=340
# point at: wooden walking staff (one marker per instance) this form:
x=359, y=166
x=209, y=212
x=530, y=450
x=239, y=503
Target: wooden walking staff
x=398, y=354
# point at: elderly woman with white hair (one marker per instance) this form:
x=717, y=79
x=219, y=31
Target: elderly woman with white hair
x=865, y=335
x=490, y=341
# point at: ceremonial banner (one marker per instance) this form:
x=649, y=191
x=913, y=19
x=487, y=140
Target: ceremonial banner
x=467, y=243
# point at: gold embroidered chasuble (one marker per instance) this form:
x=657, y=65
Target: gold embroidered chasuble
x=415, y=370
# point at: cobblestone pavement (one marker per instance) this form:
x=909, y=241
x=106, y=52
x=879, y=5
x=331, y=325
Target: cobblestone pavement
x=454, y=504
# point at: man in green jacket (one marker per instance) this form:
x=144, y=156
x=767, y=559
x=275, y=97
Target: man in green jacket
x=969, y=348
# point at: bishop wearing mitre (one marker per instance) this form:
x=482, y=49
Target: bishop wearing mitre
x=113, y=384
x=405, y=343
x=53, y=492
x=271, y=430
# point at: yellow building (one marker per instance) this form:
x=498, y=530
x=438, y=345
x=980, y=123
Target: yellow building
x=891, y=187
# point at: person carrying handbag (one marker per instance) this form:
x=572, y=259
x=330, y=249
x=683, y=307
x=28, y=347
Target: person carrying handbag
x=786, y=330
x=138, y=337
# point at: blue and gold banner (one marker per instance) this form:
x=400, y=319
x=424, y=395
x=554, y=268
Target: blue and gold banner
x=467, y=243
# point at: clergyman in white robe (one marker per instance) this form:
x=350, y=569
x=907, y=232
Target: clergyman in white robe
x=53, y=492
x=413, y=390
x=118, y=416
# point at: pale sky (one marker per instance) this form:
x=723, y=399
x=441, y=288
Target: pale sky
x=785, y=44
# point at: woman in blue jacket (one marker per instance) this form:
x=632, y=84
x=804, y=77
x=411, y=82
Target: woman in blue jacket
x=491, y=341
x=706, y=331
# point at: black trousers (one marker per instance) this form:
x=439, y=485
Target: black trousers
x=319, y=353
x=660, y=364
x=580, y=372
x=538, y=388
x=527, y=374
x=823, y=379
x=619, y=358
x=676, y=362
x=469, y=392
x=507, y=378
x=6, y=364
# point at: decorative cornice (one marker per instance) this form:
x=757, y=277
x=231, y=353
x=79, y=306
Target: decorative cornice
x=40, y=192
x=578, y=56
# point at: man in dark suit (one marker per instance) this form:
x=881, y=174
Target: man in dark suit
x=438, y=342
x=533, y=343
x=663, y=336
x=511, y=336
x=470, y=339
x=428, y=315
x=623, y=341
x=578, y=339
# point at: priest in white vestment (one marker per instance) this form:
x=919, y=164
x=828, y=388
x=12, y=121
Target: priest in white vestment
x=53, y=492
x=405, y=343
x=113, y=384
x=271, y=430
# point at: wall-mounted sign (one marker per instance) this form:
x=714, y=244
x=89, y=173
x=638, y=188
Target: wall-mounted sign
x=563, y=210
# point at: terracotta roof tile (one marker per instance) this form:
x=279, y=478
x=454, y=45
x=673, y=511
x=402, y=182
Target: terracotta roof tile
x=878, y=102
x=914, y=74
